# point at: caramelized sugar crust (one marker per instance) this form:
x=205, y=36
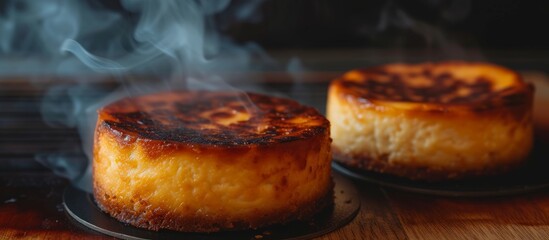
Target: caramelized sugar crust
x=214, y=118
x=437, y=87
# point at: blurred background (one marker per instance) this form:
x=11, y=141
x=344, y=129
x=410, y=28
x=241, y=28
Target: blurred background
x=312, y=30
x=490, y=24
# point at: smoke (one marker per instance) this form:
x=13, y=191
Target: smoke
x=175, y=44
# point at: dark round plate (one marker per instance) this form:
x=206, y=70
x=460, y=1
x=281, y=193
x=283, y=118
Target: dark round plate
x=532, y=176
x=81, y=206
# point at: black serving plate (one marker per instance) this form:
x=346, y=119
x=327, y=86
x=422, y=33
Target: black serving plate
x=532, y=176
x=81, y=207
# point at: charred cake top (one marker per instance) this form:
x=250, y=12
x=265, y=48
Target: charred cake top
x=213, y=118
x=477, y=86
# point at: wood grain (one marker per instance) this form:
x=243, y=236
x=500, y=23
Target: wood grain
x=376, y=220
x=428, y=217
x=31, y=208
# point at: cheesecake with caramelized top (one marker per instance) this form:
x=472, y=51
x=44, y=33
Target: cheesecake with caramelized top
x=200, y=161
x=431, y=121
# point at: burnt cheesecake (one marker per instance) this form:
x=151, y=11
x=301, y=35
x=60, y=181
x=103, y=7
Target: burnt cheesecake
x=200, y=161
x=431, y=121
x=540, y=113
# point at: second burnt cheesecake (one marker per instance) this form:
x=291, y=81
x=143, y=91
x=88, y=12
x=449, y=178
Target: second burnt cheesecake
x=431, y=121
x=199, y=161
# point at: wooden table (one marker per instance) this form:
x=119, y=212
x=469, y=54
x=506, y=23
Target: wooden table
x=31, y=208
x=31, y=196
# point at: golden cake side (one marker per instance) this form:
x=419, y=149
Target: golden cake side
x=476, y=120
x=540, y=113
x=216, y=183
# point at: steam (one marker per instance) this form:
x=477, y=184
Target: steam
x=175, y=43
x=165, y=37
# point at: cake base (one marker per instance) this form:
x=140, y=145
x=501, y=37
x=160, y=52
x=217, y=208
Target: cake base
x=81, y=207
x=420, y=173
x=529, y=177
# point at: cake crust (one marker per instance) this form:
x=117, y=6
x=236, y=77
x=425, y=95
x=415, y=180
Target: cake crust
x=158, y=218
x=213, y=119
x=431, y=89
x=423, y=173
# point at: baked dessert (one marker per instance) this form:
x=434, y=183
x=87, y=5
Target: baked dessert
x=431, y=121
x=200, y=161
x=540, y=115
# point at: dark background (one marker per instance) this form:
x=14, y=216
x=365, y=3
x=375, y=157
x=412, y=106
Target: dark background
x=487, y=24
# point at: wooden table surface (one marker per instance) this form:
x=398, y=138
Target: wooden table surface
x=31, y=197
x=31, y=208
